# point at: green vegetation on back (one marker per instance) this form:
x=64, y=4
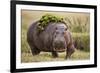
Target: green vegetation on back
x=46, y=19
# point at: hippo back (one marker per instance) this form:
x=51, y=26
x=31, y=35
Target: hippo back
x=43, y=40
x=32, y=37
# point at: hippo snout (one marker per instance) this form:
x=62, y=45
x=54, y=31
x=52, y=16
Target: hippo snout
x=59, y=45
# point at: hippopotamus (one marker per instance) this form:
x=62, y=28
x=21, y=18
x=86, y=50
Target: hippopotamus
x=55, y=38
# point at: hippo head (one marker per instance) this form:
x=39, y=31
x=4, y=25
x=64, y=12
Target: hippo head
x=59, y=42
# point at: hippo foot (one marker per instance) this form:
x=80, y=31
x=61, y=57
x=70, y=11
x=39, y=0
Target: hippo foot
x=67, y=58
x=54, y=54
x=36, y=52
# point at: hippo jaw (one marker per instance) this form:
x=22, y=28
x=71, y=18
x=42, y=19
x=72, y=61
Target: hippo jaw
x=59, y=47
x=59, y=50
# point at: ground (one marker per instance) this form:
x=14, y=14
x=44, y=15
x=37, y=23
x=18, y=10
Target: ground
x=46, y=56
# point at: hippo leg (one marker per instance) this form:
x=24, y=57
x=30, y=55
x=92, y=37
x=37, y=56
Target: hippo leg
x=70, y=50
x=54, y=54
x=34, y=51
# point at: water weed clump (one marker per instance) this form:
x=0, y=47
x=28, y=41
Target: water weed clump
x=46, y=19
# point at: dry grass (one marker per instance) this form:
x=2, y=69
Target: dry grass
x=46, y=56
x=77, y=23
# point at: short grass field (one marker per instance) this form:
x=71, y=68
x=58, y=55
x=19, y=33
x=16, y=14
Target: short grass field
x=47, y=56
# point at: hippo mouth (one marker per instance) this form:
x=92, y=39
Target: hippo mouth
x=59, y=49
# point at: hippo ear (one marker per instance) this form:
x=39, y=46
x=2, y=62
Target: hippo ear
x=66, y=29
x=66, y=26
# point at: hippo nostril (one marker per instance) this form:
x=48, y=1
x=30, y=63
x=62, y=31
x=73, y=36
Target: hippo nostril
x=59, y=45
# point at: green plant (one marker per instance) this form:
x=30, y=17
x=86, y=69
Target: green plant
x=82, y=41
x=46, y=19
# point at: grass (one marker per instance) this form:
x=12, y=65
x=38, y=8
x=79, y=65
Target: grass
x=47, y=56
x=81, y=41
x=78, y=23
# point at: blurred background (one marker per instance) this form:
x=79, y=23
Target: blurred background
x=79, y=25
